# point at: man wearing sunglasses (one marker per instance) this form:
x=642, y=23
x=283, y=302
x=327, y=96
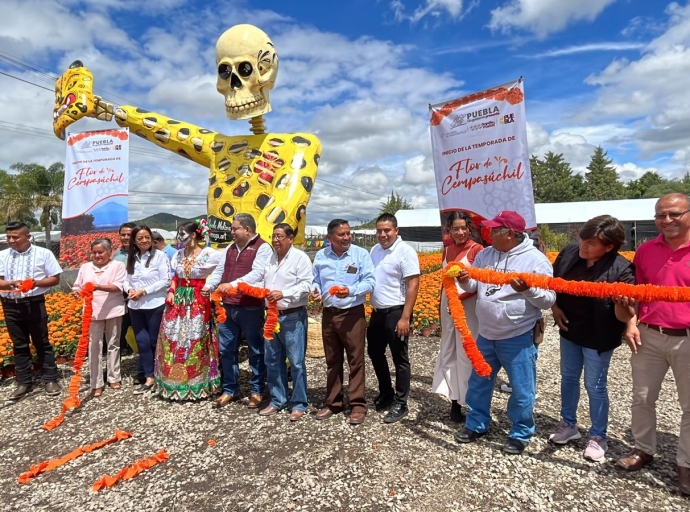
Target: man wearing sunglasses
x=507, y=317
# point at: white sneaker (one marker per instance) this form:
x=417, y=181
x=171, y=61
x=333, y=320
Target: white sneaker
x=596, y=449
x=506, y=388
x=564, y=433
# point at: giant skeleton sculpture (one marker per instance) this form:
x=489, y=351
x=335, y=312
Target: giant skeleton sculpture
x=267, y=175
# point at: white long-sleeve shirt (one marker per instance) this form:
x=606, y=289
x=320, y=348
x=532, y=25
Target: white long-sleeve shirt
x=292, y=276
x=254, y=277
x=154, y=279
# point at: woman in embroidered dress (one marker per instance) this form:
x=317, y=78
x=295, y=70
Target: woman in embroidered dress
x=108, y=277
x=453, y=369
x=187, y=355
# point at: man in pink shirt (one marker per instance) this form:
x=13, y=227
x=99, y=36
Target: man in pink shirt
x=663, y=339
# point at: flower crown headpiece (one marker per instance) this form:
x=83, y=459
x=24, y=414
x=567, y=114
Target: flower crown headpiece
x=203, y=227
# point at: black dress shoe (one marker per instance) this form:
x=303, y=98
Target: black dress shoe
x=20, y=391
x=52, y=389
x=383, y=400
x=139, y=380
x=456, y=414
x=466, y=435
x=514, y=446
x=396, y=413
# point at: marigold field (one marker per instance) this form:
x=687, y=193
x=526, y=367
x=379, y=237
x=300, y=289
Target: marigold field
x=64, y=310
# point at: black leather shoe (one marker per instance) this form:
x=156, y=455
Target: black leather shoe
x=139, y=380
x=514, y=446
x=456, y=414
x=465, y=435
x=383, y=400
x=20, y=391
x=52, y=389
x=396, y=413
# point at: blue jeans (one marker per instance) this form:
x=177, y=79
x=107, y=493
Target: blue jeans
x=573, y=359
x=250, y=321
x=518, y=356
x=290, y=343
x=146, y=324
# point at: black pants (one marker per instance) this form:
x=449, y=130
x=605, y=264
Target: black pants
x=28, y=321
x=126, y=324
x=381, y=334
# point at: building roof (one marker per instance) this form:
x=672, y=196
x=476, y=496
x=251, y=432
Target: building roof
x=625, y=210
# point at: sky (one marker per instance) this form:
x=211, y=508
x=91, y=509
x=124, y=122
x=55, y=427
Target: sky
x=360, y=75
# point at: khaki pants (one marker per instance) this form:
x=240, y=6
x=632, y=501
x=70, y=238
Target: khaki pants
x=657, y=353
x=111, y=326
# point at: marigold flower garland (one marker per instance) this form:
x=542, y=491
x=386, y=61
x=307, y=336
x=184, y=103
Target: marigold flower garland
x=129, y=472
x=270, y=324
x=639, y=292
x=49, y=465
x=72, y=401
x=335, y=289
x=26, y=286
x=457, y=312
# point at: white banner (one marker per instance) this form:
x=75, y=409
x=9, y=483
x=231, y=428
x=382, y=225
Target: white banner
x=95, y=196
x=480, y=153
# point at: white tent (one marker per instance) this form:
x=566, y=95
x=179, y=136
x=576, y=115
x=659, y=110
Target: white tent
x=315, y=231
x=168, y=235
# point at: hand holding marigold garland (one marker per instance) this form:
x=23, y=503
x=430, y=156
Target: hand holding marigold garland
x=638, y=292
x=457, y=312
x=271, y=323
x=72, y=401
x=26, y=286
x=335, y=289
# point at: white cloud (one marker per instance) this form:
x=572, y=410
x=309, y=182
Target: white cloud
x=593, y=47
x=436, y=8
x=543, y=17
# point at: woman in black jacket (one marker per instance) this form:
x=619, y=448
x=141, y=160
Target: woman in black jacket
x=589, y=328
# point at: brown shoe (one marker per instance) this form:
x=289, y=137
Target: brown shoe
x=268, y=411
x=53, y=389
x=96, y=392
x=20, y=391
x=115, y=385
x=357, y=417
x=325, y=413
x=296, y=415
x=223, y=400
x=684, y=480
x=635, y=461
x=254, y=401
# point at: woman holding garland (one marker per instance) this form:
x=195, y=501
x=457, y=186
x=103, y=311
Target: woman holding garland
x=453, y=369
x=187, y=354
x=148, y=277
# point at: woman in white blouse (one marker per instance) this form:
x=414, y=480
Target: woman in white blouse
x=146, y=285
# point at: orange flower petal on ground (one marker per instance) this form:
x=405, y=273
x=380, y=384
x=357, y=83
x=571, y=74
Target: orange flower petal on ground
x=130, y=472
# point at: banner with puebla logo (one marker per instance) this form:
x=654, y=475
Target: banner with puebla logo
x=480, y=154
x=95, y=194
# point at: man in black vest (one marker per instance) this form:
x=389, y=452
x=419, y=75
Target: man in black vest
x=244, y=261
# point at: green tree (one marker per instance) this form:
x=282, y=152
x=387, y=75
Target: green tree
x=553, y=180
x=638, y=188
x=43, y=186
x=394, y=203
x=15, y=204
x=601, y=179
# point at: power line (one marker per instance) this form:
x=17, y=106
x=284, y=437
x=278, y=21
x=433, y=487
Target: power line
x=26, y=81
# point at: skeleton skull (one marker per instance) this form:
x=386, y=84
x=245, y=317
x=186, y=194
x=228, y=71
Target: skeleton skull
x=247, y=69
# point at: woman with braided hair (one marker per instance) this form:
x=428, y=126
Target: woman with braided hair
x=186, y=366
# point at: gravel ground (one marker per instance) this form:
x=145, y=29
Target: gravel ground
x=265, y=464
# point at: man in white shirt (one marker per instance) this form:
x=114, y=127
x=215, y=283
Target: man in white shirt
x=396, y=270
x=289, y=277
x=244, y=261
x=25, y=313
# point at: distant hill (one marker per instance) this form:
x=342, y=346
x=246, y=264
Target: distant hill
x=167, y=221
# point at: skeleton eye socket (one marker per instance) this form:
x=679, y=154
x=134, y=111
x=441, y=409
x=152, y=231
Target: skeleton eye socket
x=224, y=71
x=244, y=69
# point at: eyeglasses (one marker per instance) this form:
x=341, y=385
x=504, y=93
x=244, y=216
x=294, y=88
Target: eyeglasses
x=670, y=215
x=278, y=237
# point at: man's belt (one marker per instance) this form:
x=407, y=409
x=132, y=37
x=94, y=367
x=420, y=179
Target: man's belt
x=666, y=331
x=22, y=300
x=291, y=310
x=338, y=311
x=385, y=311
